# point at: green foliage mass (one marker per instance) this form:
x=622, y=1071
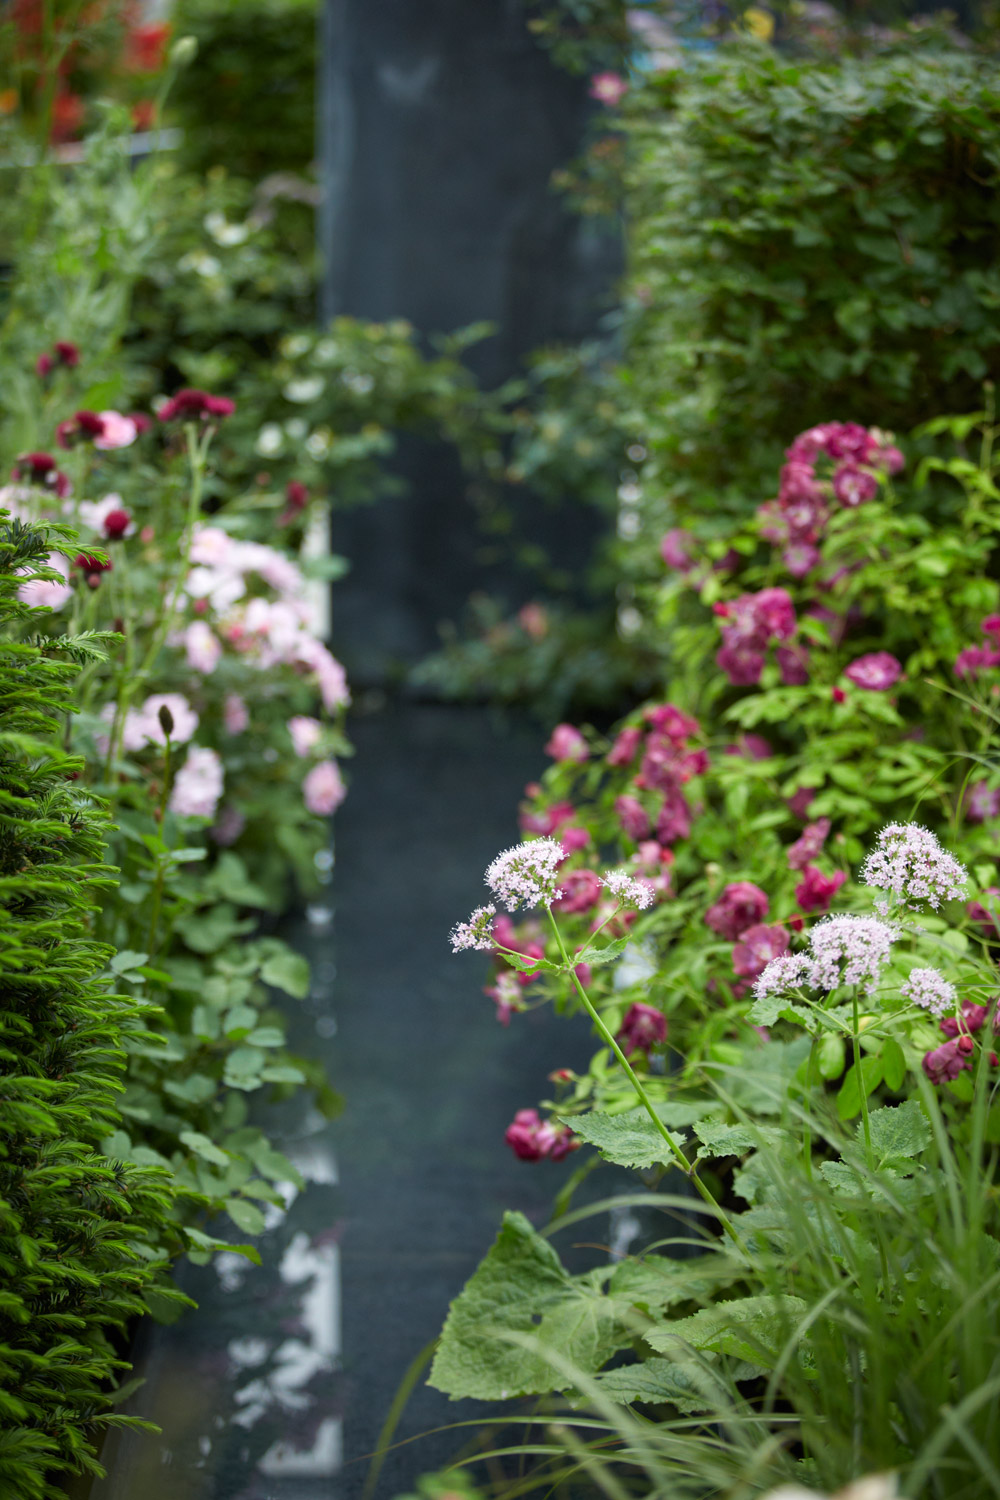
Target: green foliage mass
x=85, y=1238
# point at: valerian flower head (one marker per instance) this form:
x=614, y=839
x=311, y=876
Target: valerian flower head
x=850, y=950
x=790, y=972
x=477, y=932
x=527, y=874
x=930, y=989
x=911, y=865
x=627, y=889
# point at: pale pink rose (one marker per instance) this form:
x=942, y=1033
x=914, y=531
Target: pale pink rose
x=216, y=586
x=608, y=88
x=202, y=647
x=40, y=594
x=305, y=733
x=212, y=546
x=330, y=675
x=235, y=715
x=274, y=567
x=197, y=785
x=323, y=789
x=133, y=732
x=119, y=431
x=184, y=717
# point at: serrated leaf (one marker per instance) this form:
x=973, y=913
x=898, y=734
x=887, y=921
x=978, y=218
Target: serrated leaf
x=656, y=1283
x=898, y=1132
x=595, y=957
x=771, y=1008
x=750, y=1328
x=522, y=1287
x=628, y=1140
x=720, y=1139
x=688, y=1386
x=525, y=962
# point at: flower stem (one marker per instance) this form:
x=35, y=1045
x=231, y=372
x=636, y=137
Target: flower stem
x=687, y=1167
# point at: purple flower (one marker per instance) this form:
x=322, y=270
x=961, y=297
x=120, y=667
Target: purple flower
x=741, y=905
x=800, y=802
x=624, y=749
x=975, y=659
x=815, y=891
x=793, y=664
x=945, y=1062
x=810, y=841
x=800, y=558
x=741, y=661
x=978, y=913
x=877, y=671
x=580, y=891
x=982, y=802
x=798, y=482
x=476, y=933
x=643, y=1027
x=775, y=613
x=757, y=947
x=853, y=486
x=677, y=549
x=668, y=719
x=567, y=743
x=532, y=1139
x=633, y=817
x=674, y=821
x=973, y=1019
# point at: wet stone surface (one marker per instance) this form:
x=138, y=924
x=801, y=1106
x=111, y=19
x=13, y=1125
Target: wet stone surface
x=277, y=1388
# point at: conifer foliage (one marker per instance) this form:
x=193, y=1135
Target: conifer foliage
x=75, y=1226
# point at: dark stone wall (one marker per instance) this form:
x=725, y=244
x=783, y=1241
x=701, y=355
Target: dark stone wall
x=441, y=122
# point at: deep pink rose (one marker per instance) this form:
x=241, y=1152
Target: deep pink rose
x=810, y=841
x=674, y=821
x=741, y=905
x=877, y=671
x=623, y=751
x=975, y=659
x=848, y=440
x=800, y=802
x=800, y=558
x=945, y=1062
x=546, y=820
x=978, y=913
x=774, y=613
x=742, y=662
x=793, y=664
x=677, y=549
x=798, y=482
x=756, y=948
x=580, y=890
x=981, y=802
x=643, y=1027
x=668, y=719
x=853, y=486
x=567, y=743
x=815, y=890
x=633, y=817
x=573, y=839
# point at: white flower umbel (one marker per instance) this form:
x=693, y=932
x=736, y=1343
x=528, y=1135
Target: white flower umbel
x=792, y=971
x=477, y=932
x=930, y=989
x=625, y=888
x=850, y=950
x=910, y=864
x=528, y=874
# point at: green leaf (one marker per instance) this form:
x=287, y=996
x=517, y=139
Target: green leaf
x=287, y=971
x=898, y=1132
x=525, y=962
x=689, y=1386
x=750, y=1328
x=246, y=1216
x=893, y=1064
x=849, y=1098
x=128, y=959
x=266, y=1036
x=771, y=1008
x=830, y=1056
x=203, y=1147
x=595, y=957
x=521, y=1287
x=719, y=1139
x=628, y=1140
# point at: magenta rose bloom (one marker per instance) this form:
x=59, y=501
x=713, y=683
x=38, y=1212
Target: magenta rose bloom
x=877, y=671
x=643, y=1026
x=633, y=817
x=981, y=802
x=741, y=905
x=624, y=749
x=756, y=948
x=810, y=841
x=674, y=821
x=815, y=891
x=853, y=486
x=580, y=890
x=677, y=549
x=567, y=743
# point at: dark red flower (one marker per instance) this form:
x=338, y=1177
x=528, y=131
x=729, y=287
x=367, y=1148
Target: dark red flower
x=83, y=425
x=815, y=890
x=945, y=1062
x=756, y=948
x=296, y=500
x=116, y=523
x=191, y=405
x=741, y=905
x=643, y=1027
x=67, y=353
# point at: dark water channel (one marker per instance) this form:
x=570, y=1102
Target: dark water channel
x=276, y=1389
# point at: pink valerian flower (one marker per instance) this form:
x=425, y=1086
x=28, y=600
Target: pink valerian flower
x=792, y=971
x=235, y=714
x=809, y=843
x=633, y=817
x=527, y=873
x=608, y=88
x=532, y=1139
x=567, y=743
x=228, y=826
x=476, y=933
x=929, y=989
x=625, y=747
x=580, y=892
x=877, y=671
x=117, y=431
x=507, y=995
x=850, y=950
x=323, y=788
x=193, y=405
x=677, y=548
x=41, y=593
x=815, y=891
x=627, y=890
x=944, y=1063
x=741, y=905
x=853, y=486
x=757, y=947
x=910, y=864
x=643, y=1027
x=305, y=734
x=975, y=659
x=202, y=647
x=198, y=784
x=982, y=802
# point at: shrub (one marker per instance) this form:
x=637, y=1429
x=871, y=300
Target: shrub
x=84, y=1237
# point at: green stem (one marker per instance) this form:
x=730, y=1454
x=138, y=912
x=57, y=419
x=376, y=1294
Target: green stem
x=687, y=1167
x=866, y=1124
x=161, y=864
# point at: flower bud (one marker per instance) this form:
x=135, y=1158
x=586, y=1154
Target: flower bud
x=166, y=719
x=965, y=1044
x=184, y=51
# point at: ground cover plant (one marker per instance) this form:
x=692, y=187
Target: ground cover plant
x=826, y=1084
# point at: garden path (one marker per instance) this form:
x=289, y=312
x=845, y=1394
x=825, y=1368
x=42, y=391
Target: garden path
x=407, y=1186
